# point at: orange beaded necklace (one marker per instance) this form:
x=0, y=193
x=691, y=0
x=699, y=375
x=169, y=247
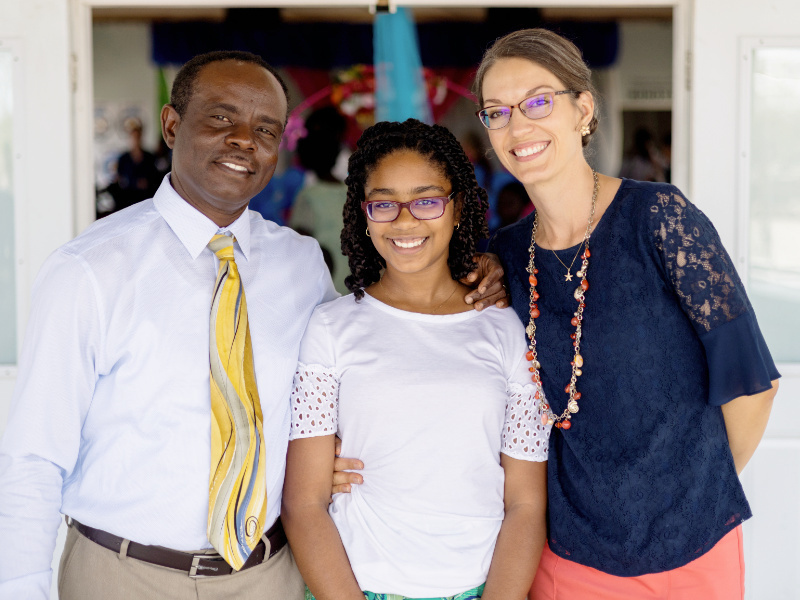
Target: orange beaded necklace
x=564, y=420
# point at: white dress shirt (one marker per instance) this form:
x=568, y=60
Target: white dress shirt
x=110, y=420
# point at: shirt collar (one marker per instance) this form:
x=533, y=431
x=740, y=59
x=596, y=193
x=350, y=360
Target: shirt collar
x=192, y=227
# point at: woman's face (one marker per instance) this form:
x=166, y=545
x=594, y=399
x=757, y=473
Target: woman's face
x=535, y=150
x=407, y=244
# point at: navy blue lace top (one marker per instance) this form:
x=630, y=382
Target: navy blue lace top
x=644, y=481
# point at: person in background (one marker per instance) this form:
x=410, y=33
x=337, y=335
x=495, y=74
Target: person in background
x=137, y=174
x=317, y=210
x=405, y=372
x=512, y=204
x=275, y=201
x=644, y=161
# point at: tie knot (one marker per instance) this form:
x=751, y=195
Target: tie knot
x=222, y=246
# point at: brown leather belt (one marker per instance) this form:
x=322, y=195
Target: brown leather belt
x=195, y=565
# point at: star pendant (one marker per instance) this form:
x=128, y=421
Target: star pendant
x=568, y=276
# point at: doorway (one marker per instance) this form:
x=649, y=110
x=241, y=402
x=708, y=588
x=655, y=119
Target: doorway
x=632, y=85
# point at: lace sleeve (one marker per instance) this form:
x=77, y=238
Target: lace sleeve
x=713, y=297
x=315, y=402
x=524, y=436
x=700, y=270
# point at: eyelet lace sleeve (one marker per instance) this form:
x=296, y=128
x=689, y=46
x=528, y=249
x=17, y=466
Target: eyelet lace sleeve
x=315, y=402
x=524, y=436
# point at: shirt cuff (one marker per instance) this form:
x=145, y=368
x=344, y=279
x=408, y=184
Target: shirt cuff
x=739, y=362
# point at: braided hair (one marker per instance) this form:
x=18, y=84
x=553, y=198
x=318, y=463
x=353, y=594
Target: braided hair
x=436, y=144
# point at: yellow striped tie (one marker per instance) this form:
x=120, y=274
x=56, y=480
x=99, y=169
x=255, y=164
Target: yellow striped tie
x=237, y=505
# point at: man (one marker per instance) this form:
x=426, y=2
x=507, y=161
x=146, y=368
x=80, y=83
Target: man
x=111, y=423
x=159, y=431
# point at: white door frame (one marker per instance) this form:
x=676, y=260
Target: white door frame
x=781, y=436
x=83, y=93
x=747, y=45
x=8, y=372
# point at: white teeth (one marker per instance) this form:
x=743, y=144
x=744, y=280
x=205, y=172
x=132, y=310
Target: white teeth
x=413, y=244
x=235, y=167
x=530, y=150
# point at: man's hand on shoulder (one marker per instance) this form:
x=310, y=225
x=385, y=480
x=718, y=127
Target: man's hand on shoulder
x=343, y=477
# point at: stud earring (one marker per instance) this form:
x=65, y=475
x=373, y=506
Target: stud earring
x=585, y=130
x=368, y=235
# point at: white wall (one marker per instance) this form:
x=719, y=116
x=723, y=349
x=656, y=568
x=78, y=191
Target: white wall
x=645, y=65
x=772, y=480
x=718, y=26
x=42, y=28
x=123, y=70
x=125, y=85
x=45, y=209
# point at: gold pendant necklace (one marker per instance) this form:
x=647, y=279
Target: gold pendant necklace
x=568, y=276
x=562, y=421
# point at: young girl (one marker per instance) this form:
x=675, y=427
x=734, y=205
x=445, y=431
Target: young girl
x=434, y=397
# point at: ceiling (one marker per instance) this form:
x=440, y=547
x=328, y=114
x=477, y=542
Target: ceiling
x=362, y=14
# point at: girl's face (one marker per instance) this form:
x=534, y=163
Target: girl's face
x=407, y=244
x=535, y=150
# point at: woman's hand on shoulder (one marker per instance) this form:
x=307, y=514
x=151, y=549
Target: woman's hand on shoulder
x=487, y=282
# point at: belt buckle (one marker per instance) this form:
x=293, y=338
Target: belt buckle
x=195, y=573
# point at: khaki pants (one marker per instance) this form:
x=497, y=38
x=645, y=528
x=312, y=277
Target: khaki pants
x=90, y=572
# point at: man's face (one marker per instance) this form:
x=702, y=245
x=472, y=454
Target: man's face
x=225, y=147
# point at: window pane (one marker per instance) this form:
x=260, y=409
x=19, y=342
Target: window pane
x=774, y=278
x=8, y=292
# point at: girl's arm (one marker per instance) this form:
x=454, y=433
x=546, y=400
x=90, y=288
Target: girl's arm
x=315, y=542
x=523, y=533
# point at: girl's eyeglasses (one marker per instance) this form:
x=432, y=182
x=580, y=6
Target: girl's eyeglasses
x=424, y=209
x=535, y=107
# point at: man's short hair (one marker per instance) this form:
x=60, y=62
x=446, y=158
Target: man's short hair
x=183, y=86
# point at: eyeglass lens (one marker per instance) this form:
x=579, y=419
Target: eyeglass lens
x=535, y=107
x=421, y=208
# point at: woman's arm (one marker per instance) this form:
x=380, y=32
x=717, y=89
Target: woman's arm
x=487, y=282
x=523, y=533
x=745, y=420
x=711, y=294
x=312, y=534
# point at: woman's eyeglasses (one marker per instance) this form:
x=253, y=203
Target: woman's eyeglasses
x=424, y=209
x=535, y=107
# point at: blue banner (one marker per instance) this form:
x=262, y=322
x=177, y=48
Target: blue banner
x=400, y=91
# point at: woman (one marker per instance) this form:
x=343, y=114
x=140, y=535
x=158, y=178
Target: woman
x=658, y=379
x=434, y=396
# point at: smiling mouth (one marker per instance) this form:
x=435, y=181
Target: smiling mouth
x=530, y=150
x=409, y=243
x=235, y=167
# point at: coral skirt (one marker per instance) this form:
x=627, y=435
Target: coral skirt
x=717, y=575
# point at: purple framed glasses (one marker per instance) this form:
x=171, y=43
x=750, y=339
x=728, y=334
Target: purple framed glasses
x=424, y=209
x=535, y=107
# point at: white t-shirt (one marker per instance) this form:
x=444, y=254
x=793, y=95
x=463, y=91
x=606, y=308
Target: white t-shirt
x=428, y=402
